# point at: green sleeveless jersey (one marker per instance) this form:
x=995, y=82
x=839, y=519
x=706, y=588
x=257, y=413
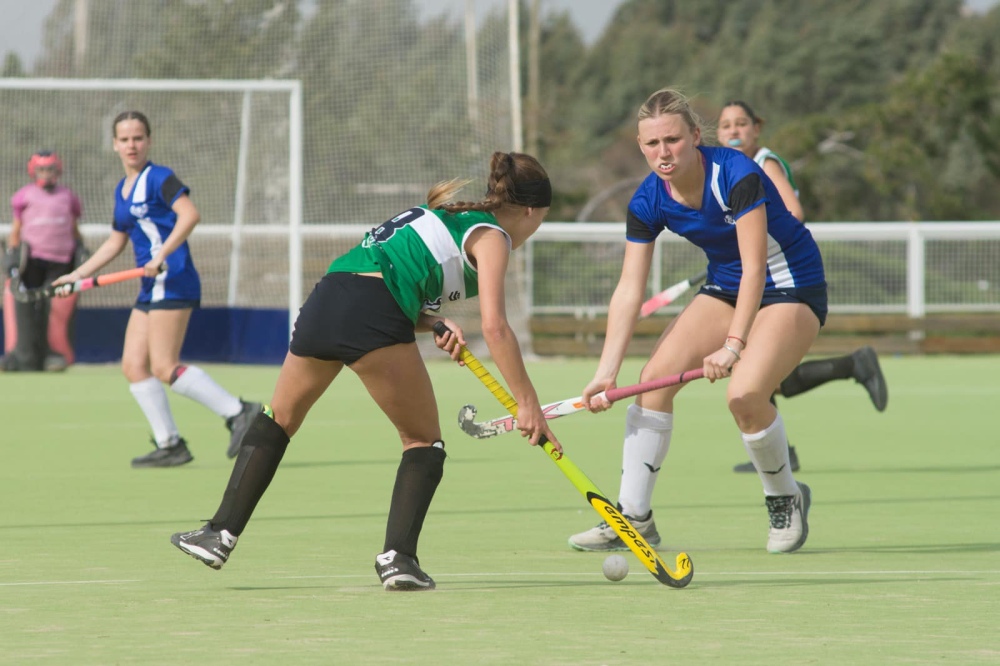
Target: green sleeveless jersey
x=421, y=255
x=765, y=154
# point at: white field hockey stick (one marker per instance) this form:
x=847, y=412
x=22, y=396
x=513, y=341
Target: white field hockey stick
x=670, y=294
x=505, y=424
x=24, y=295
x=679, y=577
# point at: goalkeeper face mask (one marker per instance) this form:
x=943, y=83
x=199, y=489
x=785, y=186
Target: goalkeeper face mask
x=45, y=167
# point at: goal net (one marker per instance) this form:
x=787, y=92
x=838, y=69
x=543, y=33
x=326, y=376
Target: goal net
x=231, y=142
x=310, y=134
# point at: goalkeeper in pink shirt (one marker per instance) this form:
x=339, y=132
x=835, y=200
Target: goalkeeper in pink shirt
x=44, y=243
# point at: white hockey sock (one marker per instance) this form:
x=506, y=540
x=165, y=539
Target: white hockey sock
x=647, y=440
x=193, y=382
x=768, y=450
x=152, y=399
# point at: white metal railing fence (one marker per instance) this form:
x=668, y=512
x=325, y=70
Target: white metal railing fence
x=572, y=268
x=892, y=267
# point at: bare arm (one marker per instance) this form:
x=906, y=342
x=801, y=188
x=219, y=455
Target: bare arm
x=14, y=239
x=77, y=235
x=187, y=218
x=488, y=247
x=751, y=234
x=108, y=250
x=623, y=311
x=776, y=173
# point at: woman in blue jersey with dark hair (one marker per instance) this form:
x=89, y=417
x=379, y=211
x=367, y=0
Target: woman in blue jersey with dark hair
x=740, y=128
x=154, y=211
x=756, y=317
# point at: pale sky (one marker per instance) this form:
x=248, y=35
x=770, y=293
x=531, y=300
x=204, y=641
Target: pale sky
x=21, y=25
x=22, y=20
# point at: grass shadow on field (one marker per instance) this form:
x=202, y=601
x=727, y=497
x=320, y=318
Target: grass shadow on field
x=813, y=581
x=916, y=548
x=306, y=464
x=937, y=469
x=871, y=501
x=444, y=585
x=376, y=515
x=499, y=510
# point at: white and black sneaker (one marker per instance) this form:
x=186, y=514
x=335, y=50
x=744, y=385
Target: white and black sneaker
x=238, y=425
x=603, y=538
x=209, y=546
x=789, y=515
x=402, y=573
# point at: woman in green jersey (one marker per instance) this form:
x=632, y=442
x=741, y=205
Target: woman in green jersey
x=363, y=314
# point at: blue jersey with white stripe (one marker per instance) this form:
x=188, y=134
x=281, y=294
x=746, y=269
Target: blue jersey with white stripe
x=146, y=216
x=734, y=184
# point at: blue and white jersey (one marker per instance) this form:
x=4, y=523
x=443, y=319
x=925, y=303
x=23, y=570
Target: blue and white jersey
x=147, y=217
x=734, y=184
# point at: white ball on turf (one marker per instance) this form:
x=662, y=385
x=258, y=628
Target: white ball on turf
x=615, y=567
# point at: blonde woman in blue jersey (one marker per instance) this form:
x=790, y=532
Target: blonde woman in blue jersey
x=757, y=315
x=739, y=127
x=363, y=314
x=154, y=211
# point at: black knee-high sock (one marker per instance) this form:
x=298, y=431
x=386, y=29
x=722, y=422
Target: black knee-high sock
x=417, y=478
x=258, y=459
x=811, y=374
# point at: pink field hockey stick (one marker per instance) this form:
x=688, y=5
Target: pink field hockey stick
x=670, y=294
x=48, y=291
x=504, y=424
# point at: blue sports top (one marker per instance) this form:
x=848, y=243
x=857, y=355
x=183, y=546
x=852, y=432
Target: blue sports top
x=734, y=184
x=147, y=217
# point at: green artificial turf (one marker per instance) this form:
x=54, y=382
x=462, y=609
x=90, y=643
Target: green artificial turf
x=902, y=565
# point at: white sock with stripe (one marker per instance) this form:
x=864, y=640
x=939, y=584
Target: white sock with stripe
x=193, y=382
x=768, y=450
x=152, y=399
x=647, y=440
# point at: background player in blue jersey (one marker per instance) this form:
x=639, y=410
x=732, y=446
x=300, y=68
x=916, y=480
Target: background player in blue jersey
x=757, y=315
x=154, y=211
x=363, y=314
x=739, y=127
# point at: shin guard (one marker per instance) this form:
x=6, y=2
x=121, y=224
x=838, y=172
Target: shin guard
x=260, y=454
x=417, y=478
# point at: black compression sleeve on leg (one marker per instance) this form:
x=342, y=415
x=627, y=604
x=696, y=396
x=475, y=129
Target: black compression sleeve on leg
x=417, y=478
x=811, y=374
x=258, y=459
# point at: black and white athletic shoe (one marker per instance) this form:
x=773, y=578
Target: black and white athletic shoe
x=237, y=425
x=401, y=573
x=209, y=546
x=789, y=517
x=168, y=456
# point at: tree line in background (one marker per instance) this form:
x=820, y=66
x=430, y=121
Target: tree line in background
x=887, y=110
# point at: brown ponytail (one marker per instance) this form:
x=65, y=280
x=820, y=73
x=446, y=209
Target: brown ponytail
x=515, y=178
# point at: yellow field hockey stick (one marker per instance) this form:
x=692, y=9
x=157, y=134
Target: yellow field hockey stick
x=618, y=522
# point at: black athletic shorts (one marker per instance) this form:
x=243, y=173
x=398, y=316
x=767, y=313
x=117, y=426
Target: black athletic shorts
x=348, y=315
x=814, y=297
x=167, y=304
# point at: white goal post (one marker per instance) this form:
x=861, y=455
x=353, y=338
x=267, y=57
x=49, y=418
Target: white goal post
x=236, y=143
